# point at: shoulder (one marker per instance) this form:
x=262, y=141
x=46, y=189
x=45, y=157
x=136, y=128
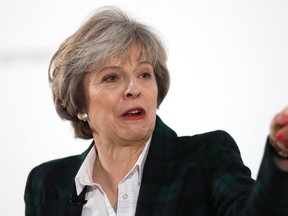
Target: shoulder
x=216, y=151
x=46, y=176
x=215, y=138
x=54, y=167
x=58, y=167
x=210, y=139
x=54, y=175
x=209, y=145
x=169, y=143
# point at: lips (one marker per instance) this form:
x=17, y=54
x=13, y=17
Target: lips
x=134, y=113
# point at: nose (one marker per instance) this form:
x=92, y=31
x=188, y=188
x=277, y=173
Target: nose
x=133, y=90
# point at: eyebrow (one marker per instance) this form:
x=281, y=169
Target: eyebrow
x=119, y=66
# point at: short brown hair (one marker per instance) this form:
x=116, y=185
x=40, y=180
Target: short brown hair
x=107, y=33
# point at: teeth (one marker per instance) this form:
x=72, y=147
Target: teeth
x=134, y=112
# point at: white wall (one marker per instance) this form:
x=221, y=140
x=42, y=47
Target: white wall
x=228, y=62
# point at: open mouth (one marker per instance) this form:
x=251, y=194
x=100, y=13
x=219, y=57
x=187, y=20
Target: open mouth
x=134, y=113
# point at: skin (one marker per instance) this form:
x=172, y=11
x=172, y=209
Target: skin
x=279, y=133
x=129, y=84
x=121, y=86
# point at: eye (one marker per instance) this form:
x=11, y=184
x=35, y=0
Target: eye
x=146, y=75
x=110, y=78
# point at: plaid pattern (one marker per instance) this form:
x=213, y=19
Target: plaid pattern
x=201, y=175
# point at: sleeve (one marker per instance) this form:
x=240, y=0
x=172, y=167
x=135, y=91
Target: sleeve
x=271, y=191
x=40, y=189
x=28, y=196
x=233, y=190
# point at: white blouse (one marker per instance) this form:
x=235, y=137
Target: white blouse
x=128, y=189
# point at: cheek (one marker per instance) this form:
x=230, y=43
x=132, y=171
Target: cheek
x=101, y=101
x=155, y=94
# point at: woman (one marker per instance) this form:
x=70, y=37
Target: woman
x=108, y=79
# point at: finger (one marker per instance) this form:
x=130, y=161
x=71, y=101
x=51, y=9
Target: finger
x=278, y=122
x=282, y=135
x=282, y=118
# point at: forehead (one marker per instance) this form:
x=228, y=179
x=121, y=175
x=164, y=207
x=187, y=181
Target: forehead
x=134, y=53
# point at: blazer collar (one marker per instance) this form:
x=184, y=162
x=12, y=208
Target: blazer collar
x=67, y=188
x=68, y=203
x=157, y=167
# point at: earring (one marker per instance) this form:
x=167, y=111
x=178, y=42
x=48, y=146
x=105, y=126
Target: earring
x=83, y=116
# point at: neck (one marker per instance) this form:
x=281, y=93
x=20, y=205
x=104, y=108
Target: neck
x=112, y=165
x=119, y=154
x=117, y=162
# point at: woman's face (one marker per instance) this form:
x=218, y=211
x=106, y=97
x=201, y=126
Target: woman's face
x=121, y=99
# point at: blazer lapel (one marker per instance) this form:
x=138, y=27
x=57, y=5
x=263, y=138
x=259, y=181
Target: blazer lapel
x=156, y=192
x=68, y=203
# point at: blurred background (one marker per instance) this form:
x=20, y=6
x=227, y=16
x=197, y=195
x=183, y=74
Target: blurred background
x=228, y=62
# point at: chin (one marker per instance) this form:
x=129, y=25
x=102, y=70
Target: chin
x=136, y=136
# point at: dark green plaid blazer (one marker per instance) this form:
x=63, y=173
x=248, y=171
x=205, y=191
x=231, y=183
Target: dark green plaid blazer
x=201, y=175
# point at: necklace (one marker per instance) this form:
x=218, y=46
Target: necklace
x=111, y=190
